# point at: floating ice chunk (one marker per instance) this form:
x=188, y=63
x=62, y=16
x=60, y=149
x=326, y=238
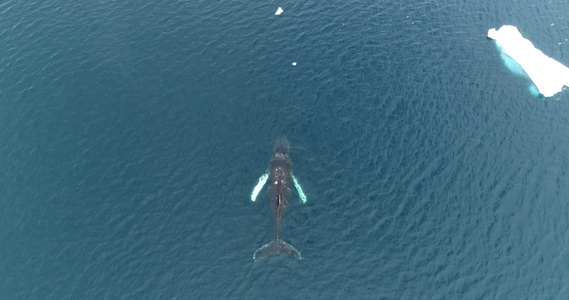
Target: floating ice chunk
x=279, y=11
x=548, y=75
x=294, y=63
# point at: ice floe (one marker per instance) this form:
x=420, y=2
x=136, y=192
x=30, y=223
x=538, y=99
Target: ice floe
x=548, y=75
x=279, y=11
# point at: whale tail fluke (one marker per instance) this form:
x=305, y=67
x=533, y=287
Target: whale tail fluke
x=276, y=246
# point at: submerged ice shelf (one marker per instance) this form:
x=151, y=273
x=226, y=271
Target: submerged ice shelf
x=548, y=75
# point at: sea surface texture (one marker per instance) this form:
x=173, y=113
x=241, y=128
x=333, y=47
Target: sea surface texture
x=133, y=132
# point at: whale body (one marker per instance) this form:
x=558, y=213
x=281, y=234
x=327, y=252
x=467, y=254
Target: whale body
x=280, y=178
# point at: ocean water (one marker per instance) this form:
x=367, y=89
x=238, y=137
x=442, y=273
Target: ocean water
x=132, y=134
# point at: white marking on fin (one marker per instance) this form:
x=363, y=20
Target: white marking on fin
x=301, y=194
x=262, y=180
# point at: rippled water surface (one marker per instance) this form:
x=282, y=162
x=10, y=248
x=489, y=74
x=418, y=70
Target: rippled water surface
x=132, y=134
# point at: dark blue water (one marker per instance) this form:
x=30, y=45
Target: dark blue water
x=132, y=134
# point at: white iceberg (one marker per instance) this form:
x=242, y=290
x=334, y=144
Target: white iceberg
x=279, y=11
x=548, y=75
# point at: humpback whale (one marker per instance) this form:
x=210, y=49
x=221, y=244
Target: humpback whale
x=279, y=175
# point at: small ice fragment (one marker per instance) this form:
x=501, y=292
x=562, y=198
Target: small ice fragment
x=548, y=75
x=294, y=63
x=279, y=11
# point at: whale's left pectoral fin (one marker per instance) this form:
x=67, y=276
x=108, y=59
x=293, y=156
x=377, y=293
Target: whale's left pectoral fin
x=259, y=186
x=301, y=194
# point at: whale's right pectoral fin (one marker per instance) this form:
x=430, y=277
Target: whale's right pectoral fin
x=301, y=194
x=259, y=186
